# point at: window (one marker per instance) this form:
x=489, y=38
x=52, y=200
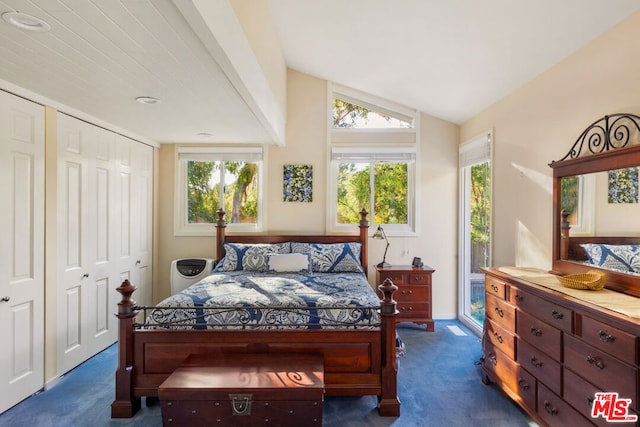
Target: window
x=373, y=162
x=208, y=179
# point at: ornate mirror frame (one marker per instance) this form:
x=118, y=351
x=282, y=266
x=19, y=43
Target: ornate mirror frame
x=607, y=144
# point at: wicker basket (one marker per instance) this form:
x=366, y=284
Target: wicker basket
x=592, y=280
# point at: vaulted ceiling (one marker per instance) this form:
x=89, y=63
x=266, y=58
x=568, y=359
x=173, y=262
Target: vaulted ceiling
x=450, y=59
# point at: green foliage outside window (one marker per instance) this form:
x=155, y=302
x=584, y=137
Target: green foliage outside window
x=240, y=192
x=389, y=192
x=480, y=210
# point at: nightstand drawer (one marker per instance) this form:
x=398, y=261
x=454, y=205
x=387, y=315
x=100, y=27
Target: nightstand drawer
x=413, y=308
x=412, y=293
x=396, y=278
x=419, y=279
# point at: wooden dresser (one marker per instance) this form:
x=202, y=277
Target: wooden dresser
x=413, y=294
x=551, y=352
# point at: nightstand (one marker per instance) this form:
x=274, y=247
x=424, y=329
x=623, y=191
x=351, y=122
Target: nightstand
x=414, y=292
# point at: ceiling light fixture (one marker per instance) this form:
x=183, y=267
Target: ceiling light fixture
x=147, y=100
x=26, y=22
x=204, y=134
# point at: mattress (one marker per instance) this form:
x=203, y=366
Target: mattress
x=254, y=300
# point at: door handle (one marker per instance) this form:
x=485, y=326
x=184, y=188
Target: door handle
x=5, y=299
x=85, y=275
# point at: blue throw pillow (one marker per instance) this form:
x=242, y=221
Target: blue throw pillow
x=249, y=256
x=332, y=257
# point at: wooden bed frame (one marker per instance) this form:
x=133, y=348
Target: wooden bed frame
x=357, y=362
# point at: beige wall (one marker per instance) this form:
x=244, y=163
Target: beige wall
x=538, y=123
x=307, y=144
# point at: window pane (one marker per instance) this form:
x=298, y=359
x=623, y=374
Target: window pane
x=203, y=179
x=241, y=192
x=353, y=191
x=348, y=115
x=390, y=192
x=570, y=197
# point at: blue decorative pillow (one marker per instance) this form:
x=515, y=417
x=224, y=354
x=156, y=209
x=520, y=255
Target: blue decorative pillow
x=249, y=256
x=289, y=263
x=624, y=258
x=331, y=257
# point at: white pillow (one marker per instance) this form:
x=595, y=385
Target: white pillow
x=289, y=263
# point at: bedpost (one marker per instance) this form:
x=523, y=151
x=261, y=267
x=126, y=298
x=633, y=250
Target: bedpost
x=125, y=404
x=388, y=404
x=364, y=239
x=220, y=228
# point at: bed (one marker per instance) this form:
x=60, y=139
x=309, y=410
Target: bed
x=280, y=310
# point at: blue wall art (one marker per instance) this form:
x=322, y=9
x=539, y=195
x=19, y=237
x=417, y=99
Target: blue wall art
x=297, y=183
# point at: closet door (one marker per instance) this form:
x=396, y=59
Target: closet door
x=135, y=184
x=21, y=249
x=87, y=269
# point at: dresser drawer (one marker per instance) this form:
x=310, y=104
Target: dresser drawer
x=505, y=370
x=548, y=312
x=412, y=293
x=601, y=369
x=580, y=394
x=501, y=312
x=609, y=339
x=556, y=412
x=541, y=335
x=543, y=367
x=495, y=287
x=501, y=338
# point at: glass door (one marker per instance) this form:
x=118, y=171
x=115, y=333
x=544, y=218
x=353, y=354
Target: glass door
x=475, y=229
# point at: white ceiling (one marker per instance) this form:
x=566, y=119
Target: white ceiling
x=450, y=59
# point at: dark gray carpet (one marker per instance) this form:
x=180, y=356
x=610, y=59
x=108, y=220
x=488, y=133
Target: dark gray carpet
x=439, y=384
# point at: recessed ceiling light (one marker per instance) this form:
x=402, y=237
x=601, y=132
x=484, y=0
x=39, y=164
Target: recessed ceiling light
x=26, y=22
x=147, y=100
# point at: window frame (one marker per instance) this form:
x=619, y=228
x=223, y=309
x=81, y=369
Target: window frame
x=381, y=144
x=185, y=154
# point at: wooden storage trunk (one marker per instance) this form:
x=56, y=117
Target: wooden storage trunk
x=245, y=390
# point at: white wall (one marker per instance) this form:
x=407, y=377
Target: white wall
x=539, y=123
x=307, y=144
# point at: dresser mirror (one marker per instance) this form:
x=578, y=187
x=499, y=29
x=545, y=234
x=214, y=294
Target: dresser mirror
x=595, y=203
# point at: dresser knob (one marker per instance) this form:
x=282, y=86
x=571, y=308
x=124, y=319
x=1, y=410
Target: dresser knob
x=594, y=361
x=535, y=332
x=557, y=315
x=536, y=362
x=550, y=409
x=606, y=336
x=499, y=311
x=523, y=384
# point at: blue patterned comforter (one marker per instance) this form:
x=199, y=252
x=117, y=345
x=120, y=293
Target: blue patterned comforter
x=252, y=300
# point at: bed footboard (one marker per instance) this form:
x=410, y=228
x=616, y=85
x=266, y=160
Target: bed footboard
x=358, y=362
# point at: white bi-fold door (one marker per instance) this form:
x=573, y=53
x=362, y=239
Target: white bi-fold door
x=104, y=211
x=21, y=249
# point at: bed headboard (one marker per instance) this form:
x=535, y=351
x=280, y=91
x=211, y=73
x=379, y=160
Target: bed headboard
x=362, y=237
